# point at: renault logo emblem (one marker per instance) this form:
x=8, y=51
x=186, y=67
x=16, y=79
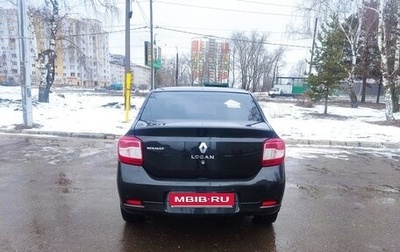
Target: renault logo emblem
x=203, y=147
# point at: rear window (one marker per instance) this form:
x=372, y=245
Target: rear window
x=186, y=105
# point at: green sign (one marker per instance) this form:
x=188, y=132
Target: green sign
x=157, y=63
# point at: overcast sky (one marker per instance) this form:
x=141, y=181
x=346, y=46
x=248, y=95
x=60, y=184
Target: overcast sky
x=176, y=22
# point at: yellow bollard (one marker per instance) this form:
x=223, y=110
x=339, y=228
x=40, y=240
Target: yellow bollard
x=127, y=93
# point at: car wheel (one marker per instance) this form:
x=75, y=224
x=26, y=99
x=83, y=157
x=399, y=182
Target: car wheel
x=265, y=219
x=131, y=218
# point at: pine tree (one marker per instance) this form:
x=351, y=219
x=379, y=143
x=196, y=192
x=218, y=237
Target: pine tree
x=329, y=63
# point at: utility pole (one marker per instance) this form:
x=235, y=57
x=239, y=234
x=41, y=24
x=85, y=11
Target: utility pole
x=151, y=46
x=177, y=66
x=25, y=78
x=128, y=74
x=313, y=46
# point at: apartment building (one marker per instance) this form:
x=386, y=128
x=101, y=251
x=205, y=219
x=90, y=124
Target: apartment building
x=82, y=54
x=141, y=74
x=210, y=61
x=9, y=49
x=82, y=49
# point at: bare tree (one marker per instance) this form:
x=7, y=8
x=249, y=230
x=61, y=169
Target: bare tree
x=299, y=69
x=349, y=13
x=389, y=41
x=255, y=64
x=369, y=65
x=389, y=27
x=47, y=17
x=272, y=63
x=250, y=54
x=185, y=77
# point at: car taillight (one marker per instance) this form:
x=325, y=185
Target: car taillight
x=273, y=152
x=130, y=150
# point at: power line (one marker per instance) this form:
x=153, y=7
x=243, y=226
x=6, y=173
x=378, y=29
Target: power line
x=264, y=3
x=224, y=38
x=83, y=34
x=143, y=14
x=230, y=10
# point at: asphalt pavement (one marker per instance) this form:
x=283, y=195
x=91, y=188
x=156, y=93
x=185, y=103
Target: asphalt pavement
x=60, y=194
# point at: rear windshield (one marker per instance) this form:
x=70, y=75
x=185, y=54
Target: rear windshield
x=194, y=105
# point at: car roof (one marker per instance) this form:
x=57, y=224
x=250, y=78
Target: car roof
x=201, y=89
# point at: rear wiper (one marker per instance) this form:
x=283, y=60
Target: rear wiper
x=254, y=123
x=153, y=122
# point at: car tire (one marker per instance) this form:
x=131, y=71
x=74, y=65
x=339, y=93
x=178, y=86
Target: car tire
x=131, y=218
x=265, y=219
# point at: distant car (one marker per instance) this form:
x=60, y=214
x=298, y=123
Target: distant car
x=115, y=86
x=201, y=151
x=279, y=92
x=8, y=83
x=274, y=91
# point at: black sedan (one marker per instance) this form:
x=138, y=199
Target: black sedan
x=201, y=151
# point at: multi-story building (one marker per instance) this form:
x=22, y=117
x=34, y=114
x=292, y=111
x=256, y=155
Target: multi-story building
x=9, y=49
x=210, y=61
x=82, y=54
x=141, y=74
x=82, y=50
x=117, y=73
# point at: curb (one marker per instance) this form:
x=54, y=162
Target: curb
x=289, y=141
x=63, y=134
x=357, y=144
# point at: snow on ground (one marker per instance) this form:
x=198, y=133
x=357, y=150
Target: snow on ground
x=342, y=124
x=84, y=111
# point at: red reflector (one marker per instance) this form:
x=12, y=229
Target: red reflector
x=269, y=203
x=133, y=202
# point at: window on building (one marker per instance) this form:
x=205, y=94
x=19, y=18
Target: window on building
x=72, y=74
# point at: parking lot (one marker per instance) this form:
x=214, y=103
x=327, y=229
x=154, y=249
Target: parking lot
x=59, y=194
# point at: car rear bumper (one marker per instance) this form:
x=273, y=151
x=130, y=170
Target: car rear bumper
x=135, y=184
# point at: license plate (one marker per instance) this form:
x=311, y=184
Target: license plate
x=187, y=199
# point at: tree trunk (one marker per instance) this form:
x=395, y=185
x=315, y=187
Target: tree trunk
x=395, y=98
x=353, y=98
x=388, y=100
x=363, y=89
x=379, y=89
x=326, y=104
x=47, y=70
x=386, y=53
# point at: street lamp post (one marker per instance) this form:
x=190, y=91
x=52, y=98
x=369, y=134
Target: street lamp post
x=151, y=45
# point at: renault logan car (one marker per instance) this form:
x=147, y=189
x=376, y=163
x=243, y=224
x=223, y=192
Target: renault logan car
x=201, y=151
